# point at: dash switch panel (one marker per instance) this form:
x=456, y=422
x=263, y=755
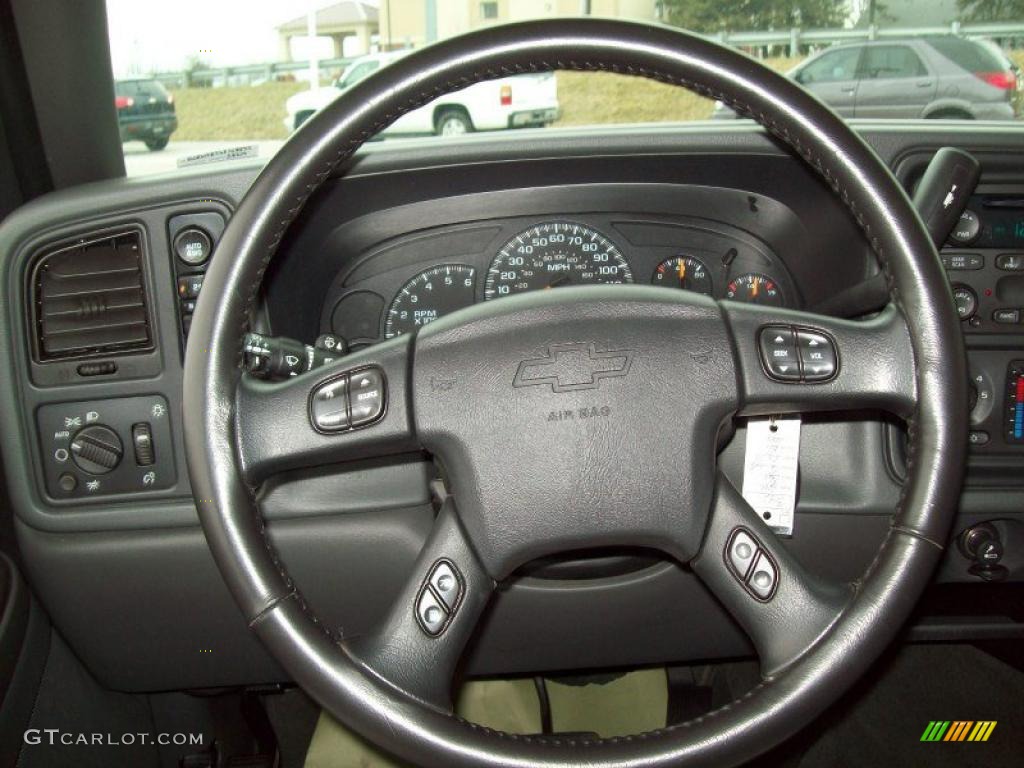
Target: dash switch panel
x=97, y=448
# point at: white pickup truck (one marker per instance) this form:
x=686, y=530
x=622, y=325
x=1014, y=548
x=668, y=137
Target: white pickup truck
x=511, y=102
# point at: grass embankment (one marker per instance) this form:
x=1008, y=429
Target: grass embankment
x=599, y=97
x=238, y=112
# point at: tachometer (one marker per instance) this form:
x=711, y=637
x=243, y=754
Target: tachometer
x=754, y=288
x=431, y=294
x=555, y=254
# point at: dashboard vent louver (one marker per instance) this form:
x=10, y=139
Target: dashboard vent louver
x=90, y=299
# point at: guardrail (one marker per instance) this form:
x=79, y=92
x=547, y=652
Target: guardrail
x=793, y=40
x=245, y=74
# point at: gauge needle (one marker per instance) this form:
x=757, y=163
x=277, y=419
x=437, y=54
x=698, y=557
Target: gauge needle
x=682, y=272
x=560, y=280
x=753, y=292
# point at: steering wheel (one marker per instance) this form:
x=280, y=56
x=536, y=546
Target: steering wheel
x=477, y=390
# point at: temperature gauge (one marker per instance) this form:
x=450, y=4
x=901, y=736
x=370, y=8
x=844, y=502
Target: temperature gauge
x=754, y=288
x=684, y=272
x=1014, y=424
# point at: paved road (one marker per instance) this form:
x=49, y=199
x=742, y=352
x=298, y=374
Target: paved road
x=139, y=161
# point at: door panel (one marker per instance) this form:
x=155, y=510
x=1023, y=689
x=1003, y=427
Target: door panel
x=832, y=77
x=894, y=83
x=24, y=647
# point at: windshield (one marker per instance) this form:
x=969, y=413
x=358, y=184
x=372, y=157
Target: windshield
x=240, y=83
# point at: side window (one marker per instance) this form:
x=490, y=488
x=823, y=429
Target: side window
x=891, y=61
x=358, y=72
x=972, y=55
x=832, y=67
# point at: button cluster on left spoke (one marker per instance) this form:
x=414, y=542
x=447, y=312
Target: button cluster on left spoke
x=353, y=399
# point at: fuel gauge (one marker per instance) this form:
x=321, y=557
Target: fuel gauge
x=755, y=288
x=684, y=272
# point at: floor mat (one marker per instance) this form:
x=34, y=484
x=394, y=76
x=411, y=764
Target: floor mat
x=631, y=703
x=883, y=719
x=879, y=723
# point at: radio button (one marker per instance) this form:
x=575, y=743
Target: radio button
x=778, y=351
x=1010, y=262
x=1006, y=316
x=966, y=301
x=817, y=355
x=366, y=395
x=967, y=228
x=329, y=408
x=956, y=262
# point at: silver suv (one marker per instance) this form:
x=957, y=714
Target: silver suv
x=942, y=77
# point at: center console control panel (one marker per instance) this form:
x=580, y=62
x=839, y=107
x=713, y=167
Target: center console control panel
x=996, y=405
x=984, y=259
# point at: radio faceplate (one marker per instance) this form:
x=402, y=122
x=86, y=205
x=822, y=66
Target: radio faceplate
x=988, y=286
x=984, y=259
x=991, y=221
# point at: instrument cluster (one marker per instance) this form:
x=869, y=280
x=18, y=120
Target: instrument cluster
x=508, y=258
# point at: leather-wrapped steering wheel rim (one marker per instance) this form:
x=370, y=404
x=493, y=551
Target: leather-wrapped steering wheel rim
x=804, y=682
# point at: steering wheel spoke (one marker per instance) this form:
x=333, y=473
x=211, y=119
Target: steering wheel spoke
x=356, y=407
x=418, y=645
x=782, y=607
x=792, y=362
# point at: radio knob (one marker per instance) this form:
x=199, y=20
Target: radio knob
x=966, y=301
x=966, y=229
x=96, y=449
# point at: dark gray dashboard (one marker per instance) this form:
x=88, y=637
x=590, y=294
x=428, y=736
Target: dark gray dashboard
x=646, y=223
x=124, y=570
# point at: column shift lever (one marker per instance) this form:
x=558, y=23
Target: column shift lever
x=944, y=190
x=941, y=197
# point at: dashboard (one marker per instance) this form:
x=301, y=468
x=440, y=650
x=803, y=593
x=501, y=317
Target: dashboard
x=492, y=259
x=412, y=231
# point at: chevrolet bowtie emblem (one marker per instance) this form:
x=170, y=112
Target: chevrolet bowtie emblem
x=568, y=367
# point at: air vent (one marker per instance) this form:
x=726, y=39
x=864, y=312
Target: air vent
x=90, y=299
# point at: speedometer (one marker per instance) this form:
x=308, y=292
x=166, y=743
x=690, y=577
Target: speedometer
x=552, y=255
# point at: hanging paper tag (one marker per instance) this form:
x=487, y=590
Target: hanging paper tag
x=770, y=467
